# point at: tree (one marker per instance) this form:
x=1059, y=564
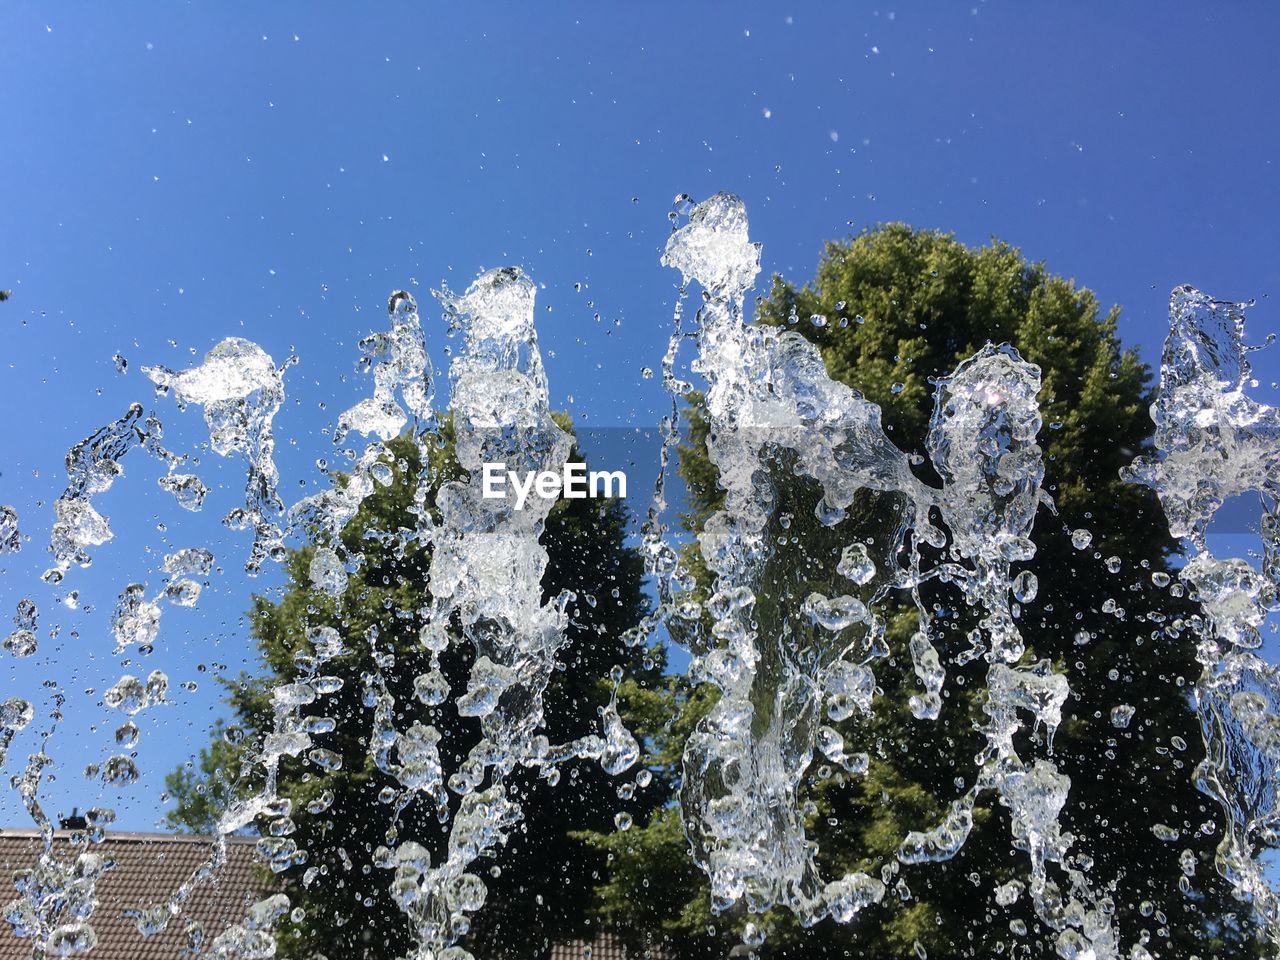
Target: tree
x=890, y=310
x=536, y=890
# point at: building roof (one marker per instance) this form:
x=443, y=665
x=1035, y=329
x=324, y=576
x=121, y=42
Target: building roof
x=604, y=947
x=148, y=867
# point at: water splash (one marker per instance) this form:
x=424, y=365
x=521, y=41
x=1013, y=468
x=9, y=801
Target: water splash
x=773, y=412
x=487, y=564
x=402, y=365
x=241, y=389
x=798, y=454
x=485, y=577
x=57, y=894
x=10, y=537
x=93, y=465
x=1213, y=443
x=768, y=397
x=22, y=642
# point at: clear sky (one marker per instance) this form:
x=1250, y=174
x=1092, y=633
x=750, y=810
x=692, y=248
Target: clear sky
x=174, y=174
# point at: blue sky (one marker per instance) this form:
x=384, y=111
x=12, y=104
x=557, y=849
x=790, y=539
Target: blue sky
x=176, y=174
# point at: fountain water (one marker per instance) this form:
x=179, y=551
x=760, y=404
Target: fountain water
x=1215, y=443
x=774, y=416
x=800, y=457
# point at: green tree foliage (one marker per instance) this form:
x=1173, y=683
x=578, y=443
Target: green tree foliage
x=892, y=310
x=536, y=889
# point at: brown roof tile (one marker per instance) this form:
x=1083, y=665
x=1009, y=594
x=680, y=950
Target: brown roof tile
x=148, y=868
x=151, y=866
x=604, y=947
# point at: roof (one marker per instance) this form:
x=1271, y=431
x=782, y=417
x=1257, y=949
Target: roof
x=604, y=947
x=151, y=866
x=148, y=868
